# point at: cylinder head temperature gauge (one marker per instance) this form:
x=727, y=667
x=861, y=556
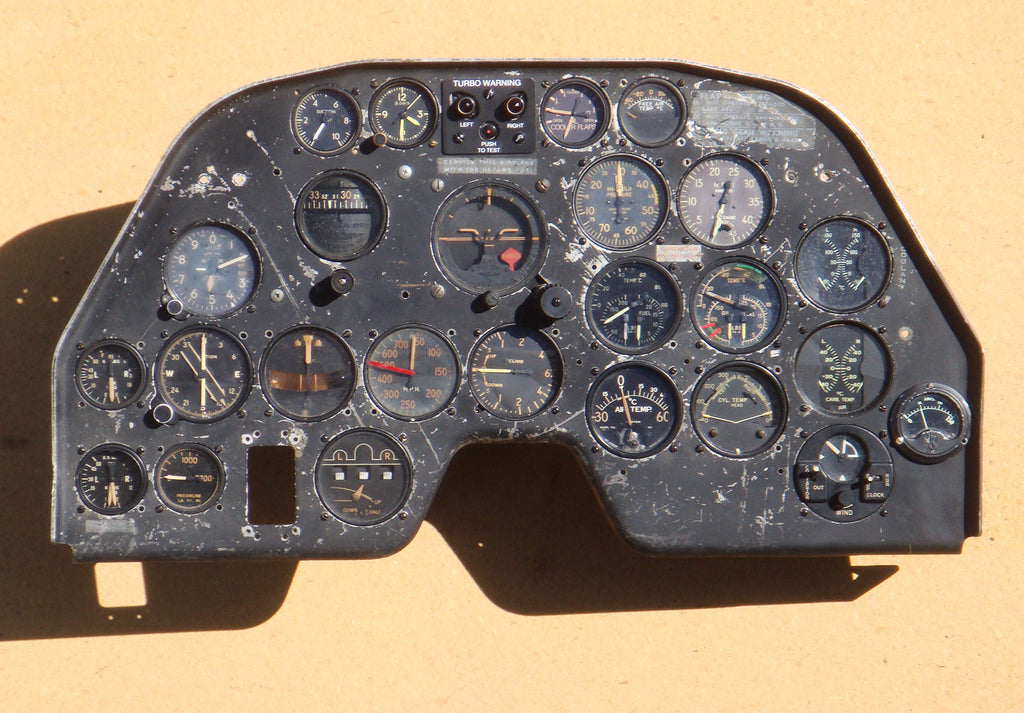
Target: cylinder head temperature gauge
x=739, y=409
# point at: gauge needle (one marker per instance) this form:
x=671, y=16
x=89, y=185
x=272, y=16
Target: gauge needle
x=412, y=357
x=625, y=405
x=202, y=392
x=111, y=389
x=231, y=262
x=617, y=315
x=493, y=370
x=832, y=448
x=720, y=213
x=720, y=298
x=307, y=353
x=388, y=367
x=319, y=129
x=175, y=477
x=111, y=495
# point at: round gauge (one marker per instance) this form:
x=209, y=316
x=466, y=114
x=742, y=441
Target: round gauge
x=188, y=478
x=651, y=112
x=842, y=458
x=930, y=422
x=633, y=410
x=844, y=473
x=363, y=476
x=842, y=368
x=403, y=111
x=738, y=306
x=739, y=409
x=203, y=374
x=411, y=372
x=575, y=113
x=110, y=374
x=489, y=236
x=725, y=200
x=326, y=121
x=621, y=202
x=110, y=479
x=211, y=270
x=308, y=373
x=633, y=306
x=842, y=264
x=340, y=215
x=515, y=372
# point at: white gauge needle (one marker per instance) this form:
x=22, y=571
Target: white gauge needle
x=319, y=130
x=493, y=370
x=625, y=405
x=616, y=315
x=231, y=262
x=832, y=447
x=175, y=477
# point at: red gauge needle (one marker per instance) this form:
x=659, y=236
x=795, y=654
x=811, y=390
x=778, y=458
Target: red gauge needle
x=388, y=367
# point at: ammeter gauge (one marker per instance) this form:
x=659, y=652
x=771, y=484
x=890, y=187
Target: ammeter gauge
x=930, y=422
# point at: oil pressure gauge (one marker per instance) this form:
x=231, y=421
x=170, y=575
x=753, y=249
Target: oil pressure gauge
x=633, y=410
x=930, y=422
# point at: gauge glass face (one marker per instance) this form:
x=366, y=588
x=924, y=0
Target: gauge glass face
x=489, y=237
x=404, y=112
x=515, y=372
x=725, y=200
x=621, y=202
x=842, y=265
x=651, y=112
x=211, y=270
x=340, y=215
x=412, y=372
x=633, y=410
x=189, y=478
x=203, y=374
x=575, y=113
x=739, y=409
x=308, y=373
x=842, y=369
x=930, y=423
x=633, y=306
x=110, y=374
x=842, y=458
x=110, y=479
x=326, y=121
x=363, y=477
x=737, y=306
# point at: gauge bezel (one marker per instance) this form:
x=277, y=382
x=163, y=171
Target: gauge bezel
x=914, y=392
x=556, y=391
x=673, y=393
x=140, y=362
x=268, y=392
x=870, y=229
x=602, y=127
x=143, y=474
x=890, y=369
x=247, y=242
x=780, y=287
x=676, y=291
x=774, y=382
x=214, y=497
x=769, y=198
x=676, y=95
x=455, y=359
x=625, y=158
x=357, y=114
x=299, y=211
x=419, y=87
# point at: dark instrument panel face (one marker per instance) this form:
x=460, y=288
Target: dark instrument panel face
x=696, y=280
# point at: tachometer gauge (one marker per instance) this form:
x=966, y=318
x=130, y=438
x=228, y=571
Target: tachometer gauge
x=633, y=306
x=739, y=409
x=340, y=215
x=203, y=374
x=738, y=305
x=403, y=111
x=110, y=374
x=621, y=202
x=575, y=113
x=110, y=479
x=842, y=368
x=211, y=270
x=189, y=478
x=308, y=373
x=651, y=112
x=363, y=476
x=930, y=422
x=842, y=264
x=725, y=200
x=515, y=372
x=633, y=410
x=411, y=372
x=326, y=121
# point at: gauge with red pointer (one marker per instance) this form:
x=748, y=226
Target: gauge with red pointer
x=411, y=372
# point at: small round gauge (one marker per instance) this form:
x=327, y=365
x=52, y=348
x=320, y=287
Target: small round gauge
x=842, y=368
x=340, y=215
x=489, y=236
x=739, y=409
x=308, y=373
x=515, y=372
x=412, y=372
x=843, y=473
x=575, y=113
x=326, y=121
x=842, y=264
x=725, y=200
x=363, y=476
x=110, y=479
x=189, y=478
x=633, y=410
x=621, y=202
x=403, y=111
x=633, y=306
x=651, y=112
x=737, y=306
x=930, y=422
x=203, y=374
x=211, y=270
x=110, y=374
x=842, y=458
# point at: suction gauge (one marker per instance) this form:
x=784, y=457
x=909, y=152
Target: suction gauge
x=326, y=121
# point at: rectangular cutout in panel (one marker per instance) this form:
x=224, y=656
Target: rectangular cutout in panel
x=271, y=485
x=120, y=584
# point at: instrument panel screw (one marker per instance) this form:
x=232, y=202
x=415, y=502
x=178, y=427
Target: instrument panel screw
x=437, y=185
x=437, y=291
x=324, y=516
x=450, y=412
x=595, y=371
x=660, y=240
x=776, y=265
x=251, y=309
x=405, y=171
x=81, y=451
x=277, y=295
x=603, y=83
x=673, y=449
x=543, y=185
x=805, y=512
x=802, y=226
x=324, y=438
x=80, y=345
x=403, y=515
x=595, y=449
x=883, y=512
x=699, y=449
x=884, y=301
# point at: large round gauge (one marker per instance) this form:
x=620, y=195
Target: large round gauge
x=844, y=473
x=633, y=306
x=340, y=215
x=403, y=111
x=308, y=373
x=211, y=270
x=110, y=479
x=575, y=113
x=489, y=237
x=203, y=374
x=738, y=306
x=739, y=409
x=110, y=374
x=515, y=372
x=363, y=476
x=326, y=121
x=842, y=264
x=633, y=410
x=651, y=112
x=842, y=368
x=189, y=478
x=725, y=200
x=411, y=372
x=621, y=202
x=930, y=422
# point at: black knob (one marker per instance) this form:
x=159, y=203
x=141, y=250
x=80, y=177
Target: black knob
x=342, y=281
x=555, y=302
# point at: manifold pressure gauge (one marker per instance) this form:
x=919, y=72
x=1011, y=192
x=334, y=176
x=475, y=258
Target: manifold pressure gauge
x=621, y=202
